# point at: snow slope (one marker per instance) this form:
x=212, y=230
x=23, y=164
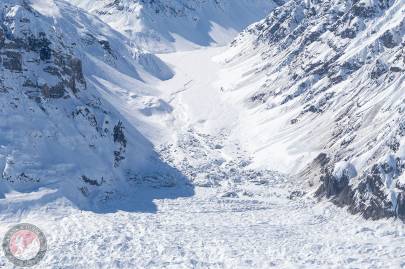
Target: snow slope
x=61, y=127
x=323, y=90
x=168, y=25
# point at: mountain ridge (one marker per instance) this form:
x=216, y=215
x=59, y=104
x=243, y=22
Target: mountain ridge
x=170, y=25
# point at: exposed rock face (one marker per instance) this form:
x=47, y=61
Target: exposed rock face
x=49, y=70
x=12, y=61
x=368, y=197
x=338, y=68
x=121, y=141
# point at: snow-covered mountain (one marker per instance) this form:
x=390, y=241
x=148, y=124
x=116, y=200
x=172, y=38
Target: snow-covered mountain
x=61, y=74
x=323, y=83
x=208, y=154
x=321, y=86
x=167, y=25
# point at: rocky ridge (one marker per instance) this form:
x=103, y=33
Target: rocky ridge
x=337, y=70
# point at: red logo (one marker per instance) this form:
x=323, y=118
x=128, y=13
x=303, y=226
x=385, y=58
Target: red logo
x=25, y=245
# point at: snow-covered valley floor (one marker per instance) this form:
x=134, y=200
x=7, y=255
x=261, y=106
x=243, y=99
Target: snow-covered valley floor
x=233, y=215
x=210, y=231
